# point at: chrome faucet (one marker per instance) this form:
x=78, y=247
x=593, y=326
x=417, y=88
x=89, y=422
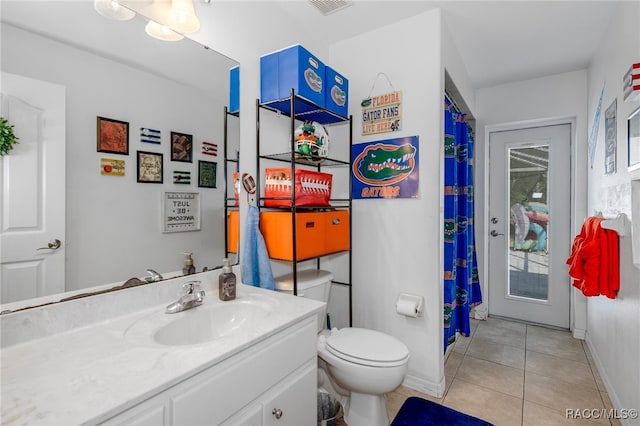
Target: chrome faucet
x=153, y=276
x=192, y=296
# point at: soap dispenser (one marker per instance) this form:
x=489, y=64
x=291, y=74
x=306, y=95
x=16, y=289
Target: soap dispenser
x=227, y=283
x=188, y=267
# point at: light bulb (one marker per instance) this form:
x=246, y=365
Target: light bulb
x=162, y=32
x=113, y=10
x=182, y=17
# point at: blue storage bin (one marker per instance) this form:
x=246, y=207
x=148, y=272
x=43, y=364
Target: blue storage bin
x=269, y=88
x=292, y=68
x=234, y=89
x=336, y=92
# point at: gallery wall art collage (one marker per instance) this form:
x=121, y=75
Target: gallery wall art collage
x=113, y=138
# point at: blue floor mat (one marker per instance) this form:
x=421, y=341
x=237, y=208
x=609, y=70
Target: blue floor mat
x=421, y=412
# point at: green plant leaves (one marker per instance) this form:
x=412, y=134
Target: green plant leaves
x=7, y=137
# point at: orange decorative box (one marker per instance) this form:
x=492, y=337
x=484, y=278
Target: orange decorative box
x=317, y=233
x=336, y=228
x=312, y=188
x=233, y=229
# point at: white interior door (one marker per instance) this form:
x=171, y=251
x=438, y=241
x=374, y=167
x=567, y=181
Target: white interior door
x=529, y=230
x=32, y=253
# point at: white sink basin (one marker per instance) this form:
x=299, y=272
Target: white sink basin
x=206, y=323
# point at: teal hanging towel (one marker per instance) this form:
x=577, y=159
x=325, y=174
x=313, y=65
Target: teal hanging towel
x=255, y=267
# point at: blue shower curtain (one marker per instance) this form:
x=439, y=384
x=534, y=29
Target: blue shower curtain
x=461, y=283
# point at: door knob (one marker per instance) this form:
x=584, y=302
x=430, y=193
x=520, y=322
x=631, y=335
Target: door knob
x=495, y=233
x=52, y=245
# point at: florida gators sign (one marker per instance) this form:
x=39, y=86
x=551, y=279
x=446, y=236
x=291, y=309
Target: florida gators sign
x=385, y=169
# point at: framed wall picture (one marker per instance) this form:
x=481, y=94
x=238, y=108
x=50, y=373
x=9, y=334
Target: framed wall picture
x=180, y=211
x=181, y=147
x=150, y=168
x=611, y=139
x=113, y=136
x=207, y=174
x=368, y=185
x=633, y=140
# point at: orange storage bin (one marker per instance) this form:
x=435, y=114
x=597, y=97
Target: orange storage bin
x=276, y=228
x=312, y=188
x=233, y=228
x=336, y=231
x=318, y=233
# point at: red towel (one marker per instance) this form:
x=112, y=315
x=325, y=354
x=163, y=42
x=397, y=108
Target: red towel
x=594, y=260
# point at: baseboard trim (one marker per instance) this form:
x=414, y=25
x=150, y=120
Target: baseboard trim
x=615, y=400
x=425, y=386
x=579, y=333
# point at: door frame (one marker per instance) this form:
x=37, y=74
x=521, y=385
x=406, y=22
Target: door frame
x=578, y=190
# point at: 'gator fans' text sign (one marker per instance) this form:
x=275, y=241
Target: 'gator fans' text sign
x=381, y=113
x=385, y=169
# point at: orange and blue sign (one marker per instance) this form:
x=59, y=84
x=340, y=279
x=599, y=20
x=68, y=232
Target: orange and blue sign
x=385, y=169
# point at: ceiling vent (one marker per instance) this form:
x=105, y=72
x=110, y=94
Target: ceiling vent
x=327, y=7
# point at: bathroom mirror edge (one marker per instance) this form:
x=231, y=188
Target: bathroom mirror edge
x=95, y=287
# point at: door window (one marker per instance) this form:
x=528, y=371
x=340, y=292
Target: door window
x=528, y=232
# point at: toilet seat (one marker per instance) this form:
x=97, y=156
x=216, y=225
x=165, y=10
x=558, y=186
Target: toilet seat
x=367, y=347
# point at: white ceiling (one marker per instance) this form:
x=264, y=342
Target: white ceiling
x=499, y=41
x=503, y=42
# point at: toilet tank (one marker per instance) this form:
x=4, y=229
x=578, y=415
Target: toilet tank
x=312, y=283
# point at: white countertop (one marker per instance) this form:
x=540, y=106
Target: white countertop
x=89, y=374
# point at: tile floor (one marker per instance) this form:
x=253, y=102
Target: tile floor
x=513, y=374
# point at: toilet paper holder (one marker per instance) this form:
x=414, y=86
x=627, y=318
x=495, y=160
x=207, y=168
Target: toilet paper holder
x=409, y=305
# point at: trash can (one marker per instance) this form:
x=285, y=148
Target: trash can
x=330, y=411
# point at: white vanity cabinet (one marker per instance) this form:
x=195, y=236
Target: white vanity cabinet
x=273, y=382
x=286, y=404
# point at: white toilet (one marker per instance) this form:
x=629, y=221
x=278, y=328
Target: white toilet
x=358, y=366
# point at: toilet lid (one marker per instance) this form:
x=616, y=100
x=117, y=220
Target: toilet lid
x=367, y=347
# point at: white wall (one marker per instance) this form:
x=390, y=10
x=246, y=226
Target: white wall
x=113, y=223
x=561, y=98
x=456, y=69
x=397, y=243
x=613, y=335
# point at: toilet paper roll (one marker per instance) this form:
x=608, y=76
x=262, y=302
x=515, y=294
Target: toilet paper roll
x=407, y=307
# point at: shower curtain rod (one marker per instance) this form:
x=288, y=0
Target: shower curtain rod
x=455, y=105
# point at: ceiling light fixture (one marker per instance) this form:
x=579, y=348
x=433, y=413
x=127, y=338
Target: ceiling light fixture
x=327, y=7
x=182, y=17
x=162, y=32
x=113, y=10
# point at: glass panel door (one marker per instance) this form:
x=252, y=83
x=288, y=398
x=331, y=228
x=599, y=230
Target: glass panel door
x=529, y=182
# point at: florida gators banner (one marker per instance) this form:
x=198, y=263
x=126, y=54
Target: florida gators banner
x=385, y=169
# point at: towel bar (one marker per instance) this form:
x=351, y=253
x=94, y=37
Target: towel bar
x=620, y=224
